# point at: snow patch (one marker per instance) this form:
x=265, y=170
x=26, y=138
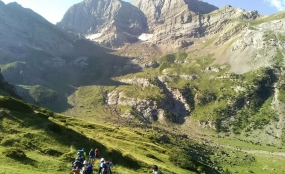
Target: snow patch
x=93, y=36
x=145, y=36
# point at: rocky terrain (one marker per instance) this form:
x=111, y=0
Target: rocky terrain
x=109, y=22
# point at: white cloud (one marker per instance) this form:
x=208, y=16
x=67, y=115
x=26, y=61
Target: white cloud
x=279, y=4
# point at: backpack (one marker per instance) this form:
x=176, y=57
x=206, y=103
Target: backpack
x=107, y=168
x=104, y=169
x=79, y=164
x=91, y=153
x=96, y=153
x=89, y=169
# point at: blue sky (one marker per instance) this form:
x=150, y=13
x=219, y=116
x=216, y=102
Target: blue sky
x=53, y=10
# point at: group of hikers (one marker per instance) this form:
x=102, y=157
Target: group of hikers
x=84, y=164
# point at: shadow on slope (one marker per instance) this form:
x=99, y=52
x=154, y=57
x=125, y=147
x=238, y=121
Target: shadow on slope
x=32, y=129
x=87, y=64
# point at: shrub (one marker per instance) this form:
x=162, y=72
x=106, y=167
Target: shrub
x=180, y=158
x=170, y=116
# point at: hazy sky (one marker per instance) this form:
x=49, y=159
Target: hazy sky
x=53, y=10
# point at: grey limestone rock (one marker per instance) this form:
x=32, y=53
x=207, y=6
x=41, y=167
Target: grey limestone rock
x=109, y=22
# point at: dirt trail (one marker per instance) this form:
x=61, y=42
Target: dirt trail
x=256, y=151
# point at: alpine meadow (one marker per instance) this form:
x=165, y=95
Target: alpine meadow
x=181, y=85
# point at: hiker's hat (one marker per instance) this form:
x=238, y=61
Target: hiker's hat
x=102, y=160
x=85, y=162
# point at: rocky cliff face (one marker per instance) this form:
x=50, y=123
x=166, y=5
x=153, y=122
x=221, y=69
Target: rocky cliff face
x=22, y=30
x=176, y=24
x=163, y=11
x=263, y=46
x=109, y=22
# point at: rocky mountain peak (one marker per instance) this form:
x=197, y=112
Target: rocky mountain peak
x=159, y=11
x=109, y=22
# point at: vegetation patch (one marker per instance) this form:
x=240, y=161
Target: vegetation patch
x=281, y=96
x=40, y=94
x=15, y=104
x=15, y=153
x=52, y=152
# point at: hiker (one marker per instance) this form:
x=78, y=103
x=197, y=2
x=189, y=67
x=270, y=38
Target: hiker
x=102, y=166
x=83, y=153
x=79, y=157
x=87, y=168
x=155, y=169
x=76, y=167
x=96, y=153
x=105, y=167
x=91, y=155
x=108, y=167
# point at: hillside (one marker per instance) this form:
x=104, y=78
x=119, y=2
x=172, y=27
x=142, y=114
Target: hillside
x=23, y=30
x=182, y=84
x=37, y=140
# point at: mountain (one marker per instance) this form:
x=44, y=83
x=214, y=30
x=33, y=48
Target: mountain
x=176, y=25
x=110, y=22
x=202, y=90
x=165, y=11
x=23, y=30
x=45, y=62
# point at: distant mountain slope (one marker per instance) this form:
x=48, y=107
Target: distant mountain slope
x=6, y=89
x=22, y=29
x=109, y=22
x=46, y=63
x=178, y=24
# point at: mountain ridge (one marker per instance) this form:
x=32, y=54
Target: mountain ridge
x=203, y=92
x=119, y=18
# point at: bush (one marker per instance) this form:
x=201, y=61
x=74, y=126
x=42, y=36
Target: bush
x=170, y=116
x=180, y=158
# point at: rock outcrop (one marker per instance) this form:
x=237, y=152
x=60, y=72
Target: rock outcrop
x=176, y=24
x=173, y=108
x=164, y=11
x=109, y=22
x=260, y=45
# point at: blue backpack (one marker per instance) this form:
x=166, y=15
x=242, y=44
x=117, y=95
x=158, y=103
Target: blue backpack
x=89, y=169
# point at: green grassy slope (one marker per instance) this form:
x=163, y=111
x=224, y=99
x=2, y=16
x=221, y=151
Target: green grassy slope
x=48, y=142
x=34, y=139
